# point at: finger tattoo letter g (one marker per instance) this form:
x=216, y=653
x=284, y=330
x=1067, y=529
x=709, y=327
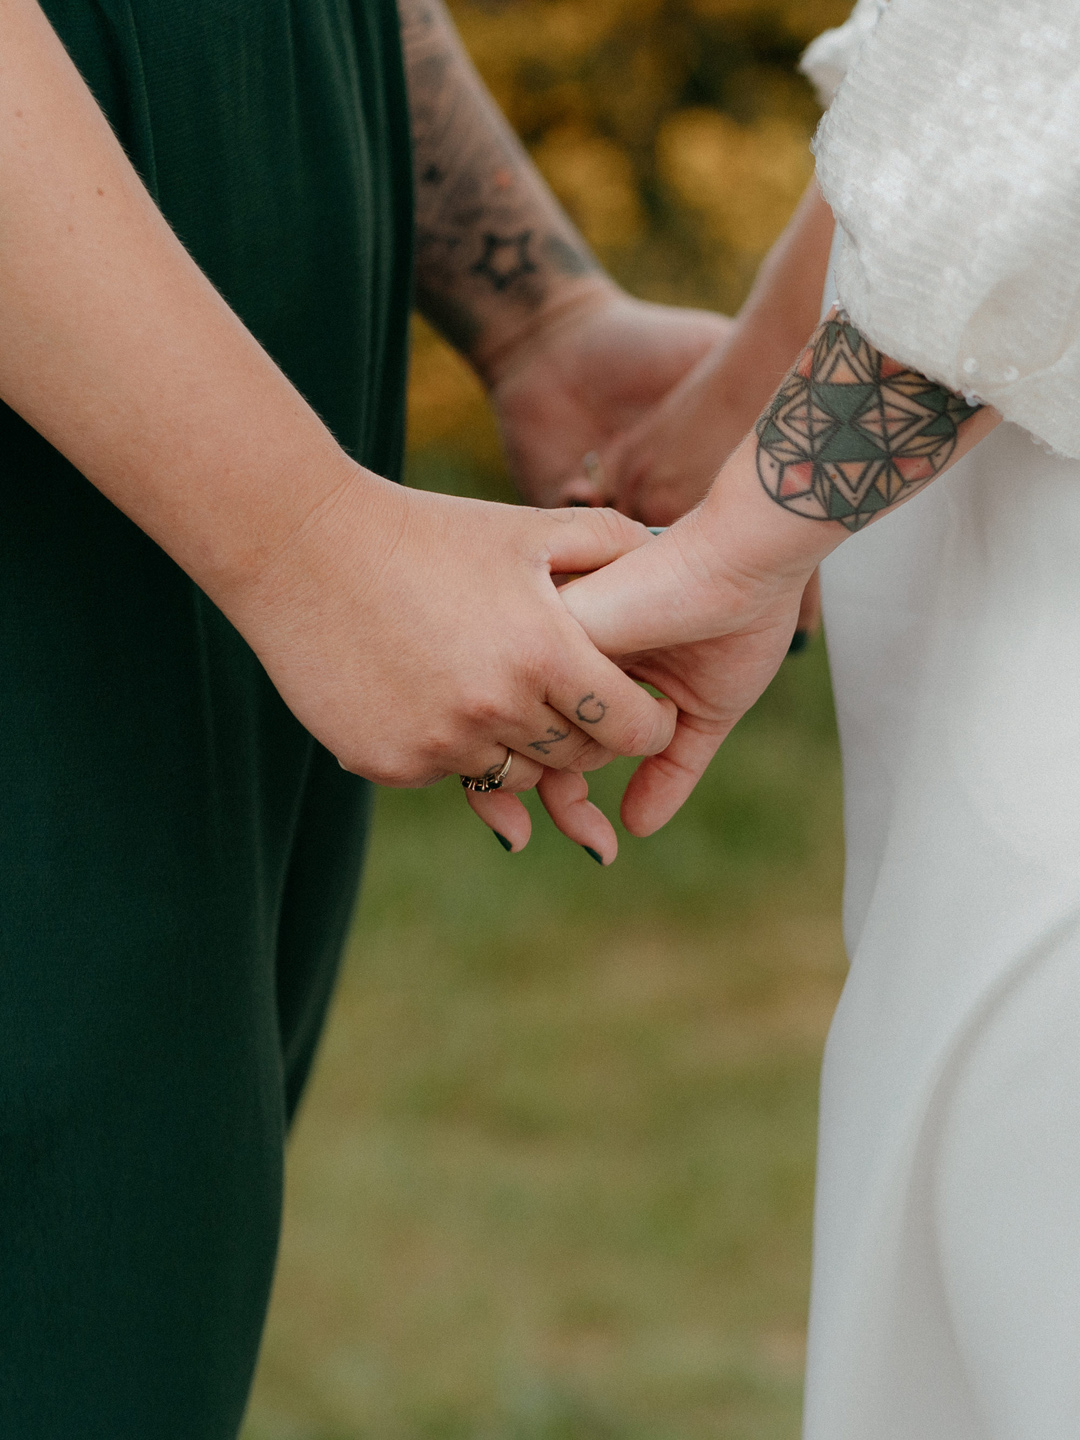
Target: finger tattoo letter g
x=590, y=710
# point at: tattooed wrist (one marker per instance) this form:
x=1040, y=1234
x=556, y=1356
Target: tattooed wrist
x=492, y=244
x=851, y=433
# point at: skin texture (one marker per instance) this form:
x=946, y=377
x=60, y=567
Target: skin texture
x=493, y=248
x=119, y=351
x=706, y=611
x=660, y=467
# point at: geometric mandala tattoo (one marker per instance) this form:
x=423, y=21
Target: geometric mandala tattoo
x=851, y=432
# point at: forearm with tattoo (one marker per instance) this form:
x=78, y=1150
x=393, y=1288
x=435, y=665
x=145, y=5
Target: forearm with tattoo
x=493, y=247
x=851, y=433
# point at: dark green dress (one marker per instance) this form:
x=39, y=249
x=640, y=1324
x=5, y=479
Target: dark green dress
x=178, y=858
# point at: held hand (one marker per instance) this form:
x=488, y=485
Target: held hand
x=707, y=611
x=590, y=374
x=662, y=466
x=419, y=635
x=701, y=615
x=712, y=681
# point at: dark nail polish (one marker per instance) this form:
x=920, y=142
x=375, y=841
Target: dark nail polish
x=799, y=642
x=594, y=853
x=503, y=841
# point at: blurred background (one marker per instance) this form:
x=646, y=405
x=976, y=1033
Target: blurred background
x=553, y=1178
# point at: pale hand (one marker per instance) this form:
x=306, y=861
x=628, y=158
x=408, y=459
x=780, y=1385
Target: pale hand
x=585, y=377
x=706, y=623
x=662, y=465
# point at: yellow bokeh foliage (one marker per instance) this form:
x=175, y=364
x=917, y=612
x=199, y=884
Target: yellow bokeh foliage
x=741, y=180
x=594, y=179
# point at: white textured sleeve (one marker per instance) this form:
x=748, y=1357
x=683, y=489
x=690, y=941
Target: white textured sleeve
x=827, y=60
x=951, y=159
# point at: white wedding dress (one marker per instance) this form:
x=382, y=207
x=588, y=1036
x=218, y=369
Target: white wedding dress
x=946, y=1292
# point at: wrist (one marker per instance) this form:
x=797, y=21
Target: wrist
x=763, y=345
x=741, y=559
x=243, y=557
x=510, y=339
x=739, y=562
x=740, y=528
x=352, y=526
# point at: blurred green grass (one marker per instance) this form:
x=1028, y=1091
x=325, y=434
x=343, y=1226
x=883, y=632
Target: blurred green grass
x=553, y=1178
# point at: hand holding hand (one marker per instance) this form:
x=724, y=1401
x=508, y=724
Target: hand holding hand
x=662, y=465
x=419, y=635
x=589, y=374
x=705, y=613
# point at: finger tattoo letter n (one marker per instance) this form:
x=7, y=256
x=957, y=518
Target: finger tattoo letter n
x=590, y=710
x=552, y=737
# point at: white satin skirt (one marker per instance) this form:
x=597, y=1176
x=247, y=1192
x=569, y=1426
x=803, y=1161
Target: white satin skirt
x=946, y=1291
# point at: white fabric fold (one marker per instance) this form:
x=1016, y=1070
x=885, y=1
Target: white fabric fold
x=946, y=1293
x=829, y=58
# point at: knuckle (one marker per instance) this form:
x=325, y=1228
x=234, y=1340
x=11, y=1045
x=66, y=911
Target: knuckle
x=638, y=735
x=407, y=771
x=482, y=710
x=439, y=749
x=598, y=756
x=564, y=755
x=580, y=752
x=620, y=527
x=525, y=777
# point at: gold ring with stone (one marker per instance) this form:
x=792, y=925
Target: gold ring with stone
x=481, y=784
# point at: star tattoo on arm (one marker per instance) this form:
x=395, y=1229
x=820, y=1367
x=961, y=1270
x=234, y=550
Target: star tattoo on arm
x=505, y=259
x=851, y=433
x=489, y=234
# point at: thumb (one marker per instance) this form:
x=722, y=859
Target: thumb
x=638, y=603
x=582, y=539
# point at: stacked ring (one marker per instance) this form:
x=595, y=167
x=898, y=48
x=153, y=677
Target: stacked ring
x=481, y=784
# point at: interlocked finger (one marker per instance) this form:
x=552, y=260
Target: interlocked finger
x=598, y=699
x=557, y=742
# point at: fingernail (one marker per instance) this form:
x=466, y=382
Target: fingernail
x=799, y=642
x=503, y=841
x=594, y=853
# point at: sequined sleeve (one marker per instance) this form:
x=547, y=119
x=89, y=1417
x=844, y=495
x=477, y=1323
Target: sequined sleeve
x=951, y=159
